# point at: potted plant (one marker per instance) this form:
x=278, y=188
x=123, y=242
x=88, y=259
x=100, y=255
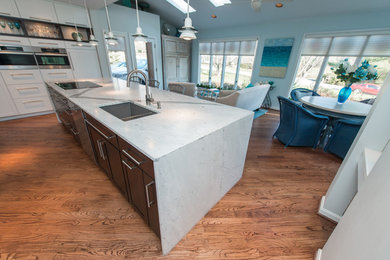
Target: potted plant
x=350, y=74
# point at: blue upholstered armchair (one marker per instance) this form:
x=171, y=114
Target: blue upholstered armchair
x=298, y=126
x=297, y=93
x=342, y=137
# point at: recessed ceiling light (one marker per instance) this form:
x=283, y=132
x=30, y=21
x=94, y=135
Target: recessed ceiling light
x=218, y=3
x=279, y=5
x=181, y=5
x=213, y=16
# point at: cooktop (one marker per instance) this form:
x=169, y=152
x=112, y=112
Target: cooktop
x=77, y=85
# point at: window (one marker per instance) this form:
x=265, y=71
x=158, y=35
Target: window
x=117, y=58
x=319, y=54
x=227, y=64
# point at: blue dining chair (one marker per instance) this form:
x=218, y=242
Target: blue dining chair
x=298, y=126
x=342, y=136
x=298, y=93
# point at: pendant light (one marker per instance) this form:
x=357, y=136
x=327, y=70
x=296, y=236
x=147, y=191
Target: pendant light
x=78, y=37
x=92, y=39
x=111, y=40
x=139, y=35
x=188, y=32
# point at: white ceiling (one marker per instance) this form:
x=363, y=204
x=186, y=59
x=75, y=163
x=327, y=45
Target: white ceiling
x=240, y=12
x=93, y=4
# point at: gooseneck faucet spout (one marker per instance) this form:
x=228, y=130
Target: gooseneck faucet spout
x=148, y=95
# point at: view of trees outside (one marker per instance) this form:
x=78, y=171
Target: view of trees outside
x=309, y=69
x=246, y=68
x=216, y=72
x=204, y=69
x=230, y=72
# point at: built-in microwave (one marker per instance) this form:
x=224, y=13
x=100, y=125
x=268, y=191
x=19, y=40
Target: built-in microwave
x=17, y=57
x=52, y=58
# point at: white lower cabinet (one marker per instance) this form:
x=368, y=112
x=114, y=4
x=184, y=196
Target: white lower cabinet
x=27, y=90
x=7, y=105
x=21, y=76
x=33, y=104
x=85, y=63
x=59, y=74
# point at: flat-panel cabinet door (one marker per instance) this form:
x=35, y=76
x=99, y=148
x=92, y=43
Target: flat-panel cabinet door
x=85, y=63
x=171, y=68
x=71, y=14
x=170, y=46
x=137, y=195
x=151, y=203
x=184, y=69
x=41, y=10
x=7, y=105
x=118, y=177
x=8, y=8
x=98, y=143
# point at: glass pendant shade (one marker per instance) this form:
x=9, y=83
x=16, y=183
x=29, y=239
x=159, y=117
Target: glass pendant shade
x=92, y=40
x=188, y=31
x=139, y=35
x=111, y=40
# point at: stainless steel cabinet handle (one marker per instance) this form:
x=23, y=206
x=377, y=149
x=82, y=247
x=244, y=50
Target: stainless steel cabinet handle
x=27, y=88
x=64, y=121
x=48, y=43
x=10, y=40
x=74, y=131
x=21, y=74
x=131, y=157
x=57, y=73
x=128, y=166
x=39, y=18
x=100, y=145
x=67, y=112
x=33, y=101
x=147, y=194
x=100, y=132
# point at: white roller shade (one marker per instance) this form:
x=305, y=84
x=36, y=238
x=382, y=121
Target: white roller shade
x=316, y=46
x=217, y=48
x=378, y=45
x=232, y=48
x=204, y=48
x=248, y=48
x=347, y=46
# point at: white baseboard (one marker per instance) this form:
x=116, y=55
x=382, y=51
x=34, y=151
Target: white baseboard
x=318, y=254
x=327, y=213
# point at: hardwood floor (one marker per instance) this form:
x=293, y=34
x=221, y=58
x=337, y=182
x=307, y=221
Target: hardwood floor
x=57, y=204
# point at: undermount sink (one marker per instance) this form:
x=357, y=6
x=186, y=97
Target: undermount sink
x=127, y=111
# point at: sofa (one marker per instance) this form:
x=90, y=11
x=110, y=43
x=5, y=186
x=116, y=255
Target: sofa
x=185, y=88
x=250, y=98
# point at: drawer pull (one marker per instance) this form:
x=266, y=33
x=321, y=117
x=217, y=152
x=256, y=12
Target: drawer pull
x=100, y=132
x=74, y=132
x=147, y=194
x=48, y=43
x=85, y=46
x=19, y=89
x=128, y=166
x=21, y=74
x=100, y=145
x=38, y=18
x=64, y=121
x=57, y=73
x=10, y=41
x=33, y=101
x=131, y=157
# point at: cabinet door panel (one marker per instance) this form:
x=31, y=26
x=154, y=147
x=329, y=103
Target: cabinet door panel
x=11, y=40
x=99, y=148
x=47, y=43
x=21, y=76
x=8, y=8
x=116, y=168
x=170, y=46
x=7, y=106
x=53, y=75
x=27, y=90
x=85, y=64
x=71, y=14
x=41, y=10
x=184, y=69
x=171, y=68
x=136, y=188
x=151, y=202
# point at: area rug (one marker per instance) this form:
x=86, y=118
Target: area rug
x=259, y=113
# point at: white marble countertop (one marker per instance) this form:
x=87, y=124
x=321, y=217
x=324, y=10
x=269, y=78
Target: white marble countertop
x=181, y=120
x=352, y=108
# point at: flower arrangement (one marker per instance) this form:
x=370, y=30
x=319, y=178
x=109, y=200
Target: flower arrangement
x=351, y=74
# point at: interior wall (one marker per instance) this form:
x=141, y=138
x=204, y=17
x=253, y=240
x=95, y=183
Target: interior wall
x=294, y=28
x=124, y=19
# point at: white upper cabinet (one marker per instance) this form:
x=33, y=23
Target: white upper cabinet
x=85, y=63
x=71, y=14
x=8, y=8
x=40, y=10
x=7, y=105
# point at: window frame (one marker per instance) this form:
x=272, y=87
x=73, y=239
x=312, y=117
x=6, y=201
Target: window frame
x=327, y=55
x=240, y=40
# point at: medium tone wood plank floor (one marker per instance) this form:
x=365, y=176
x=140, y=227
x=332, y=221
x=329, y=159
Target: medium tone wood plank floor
x=56, y=204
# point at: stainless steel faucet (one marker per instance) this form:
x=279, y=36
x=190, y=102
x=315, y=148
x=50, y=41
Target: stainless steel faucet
x=148, y=96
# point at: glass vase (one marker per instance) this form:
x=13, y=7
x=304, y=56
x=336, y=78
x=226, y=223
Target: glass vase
x=344, y=94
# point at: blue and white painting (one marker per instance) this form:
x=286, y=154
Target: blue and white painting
x=276, y=55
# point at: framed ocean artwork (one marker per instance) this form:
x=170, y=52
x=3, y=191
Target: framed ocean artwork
x=276, y=55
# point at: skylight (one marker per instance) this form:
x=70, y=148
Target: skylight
x=218, y=3
x=181, y=5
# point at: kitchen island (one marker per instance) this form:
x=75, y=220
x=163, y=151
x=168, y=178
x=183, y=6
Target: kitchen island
x=194, y=151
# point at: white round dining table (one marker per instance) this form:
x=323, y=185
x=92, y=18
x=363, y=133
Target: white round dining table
x=329, y=106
